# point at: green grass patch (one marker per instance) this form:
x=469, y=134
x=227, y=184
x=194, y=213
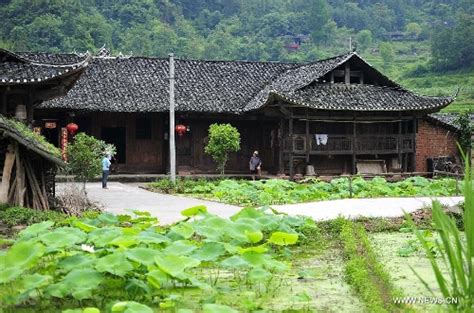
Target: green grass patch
x=365, y=273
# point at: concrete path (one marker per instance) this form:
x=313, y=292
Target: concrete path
x=167, y=208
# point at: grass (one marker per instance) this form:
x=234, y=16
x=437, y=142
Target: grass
x=31, y=135
x=365, y=273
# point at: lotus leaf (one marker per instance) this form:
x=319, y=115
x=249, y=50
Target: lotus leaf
x=145, y=256
x=210, y=251
x=283, y=239
x=63, y=237
x=157, y=278
x=234, y=262
x=180, y=247
x=131, y=307
x=193, y=211
x=84, y=226
x=136, y=286
x=101, y=237
x=256, y=249
x=36, y=229
x=108, y=219
x=148, y=236
x=34, y=281
x=19, y=258
x=76, y=261
x=254, y=236
x=79, y=283
x=125, y=241
x=175, y=265
x=185, y=230
x=115, y=263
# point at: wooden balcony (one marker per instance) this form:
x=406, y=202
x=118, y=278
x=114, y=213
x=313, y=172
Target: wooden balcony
x=348, y=144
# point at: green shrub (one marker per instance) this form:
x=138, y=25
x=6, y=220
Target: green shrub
x=223, y=139
x=12, y=216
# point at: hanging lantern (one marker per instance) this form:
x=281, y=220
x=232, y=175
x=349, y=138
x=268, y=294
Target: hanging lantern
x=180, y=129
x=72, y=128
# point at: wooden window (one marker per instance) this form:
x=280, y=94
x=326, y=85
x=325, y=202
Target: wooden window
x=143, y=128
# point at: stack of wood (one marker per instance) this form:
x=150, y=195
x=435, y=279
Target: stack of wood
x=23, y=183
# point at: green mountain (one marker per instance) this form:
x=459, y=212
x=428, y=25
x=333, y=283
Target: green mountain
x=425, y=45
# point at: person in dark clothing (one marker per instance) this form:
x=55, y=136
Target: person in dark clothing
x=255, y=165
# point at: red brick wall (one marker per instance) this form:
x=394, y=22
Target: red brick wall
x=433, y=141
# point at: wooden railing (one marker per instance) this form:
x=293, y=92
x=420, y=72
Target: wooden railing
x=347, y=144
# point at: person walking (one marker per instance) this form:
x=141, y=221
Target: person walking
x=105, y=170
x=255, y=165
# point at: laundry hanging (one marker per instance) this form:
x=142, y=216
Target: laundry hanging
x=321, y=139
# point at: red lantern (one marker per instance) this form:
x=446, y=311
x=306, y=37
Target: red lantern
x=180, y=129
x=72, y=128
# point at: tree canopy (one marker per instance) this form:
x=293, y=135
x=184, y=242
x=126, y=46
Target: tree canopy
x=238, y=29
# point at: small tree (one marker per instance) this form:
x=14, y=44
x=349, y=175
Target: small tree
x=223, y=139
x=386, y=52
x=364, y=39
x=85, y=156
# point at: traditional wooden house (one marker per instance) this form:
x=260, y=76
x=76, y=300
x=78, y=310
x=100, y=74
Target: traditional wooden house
x=29, y=162
x=330, y=114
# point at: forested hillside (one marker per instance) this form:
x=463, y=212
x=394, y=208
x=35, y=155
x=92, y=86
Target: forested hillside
x=427, y=45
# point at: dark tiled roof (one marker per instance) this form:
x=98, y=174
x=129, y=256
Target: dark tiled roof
x=15, y=69
x=448, y=119
x=139, y=84
x=357, y=97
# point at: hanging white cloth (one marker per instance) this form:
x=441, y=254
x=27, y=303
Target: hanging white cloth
x=321, y=139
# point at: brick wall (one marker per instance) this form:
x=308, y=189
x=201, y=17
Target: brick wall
x=433, y=141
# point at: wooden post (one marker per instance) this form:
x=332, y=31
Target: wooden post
x=308, y=142
x=399, y=151
x=354, y=145
x=290, y=131
x=20, y=177
x=413, y=154
x=7, y=172
x=172, y=122
x=281, y=141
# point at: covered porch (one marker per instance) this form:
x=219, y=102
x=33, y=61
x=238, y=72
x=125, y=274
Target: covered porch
x=336, y=142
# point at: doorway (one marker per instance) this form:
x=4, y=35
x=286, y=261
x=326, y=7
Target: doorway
x=117, y=137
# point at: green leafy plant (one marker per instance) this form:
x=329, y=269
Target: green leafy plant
x=85, y=155
x=223, y=139
x=278, y=191
x=93, y=262
x=456, y=251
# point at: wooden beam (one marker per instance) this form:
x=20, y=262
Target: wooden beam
x=290, y=134
x=399, y=142
x=354, y=148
